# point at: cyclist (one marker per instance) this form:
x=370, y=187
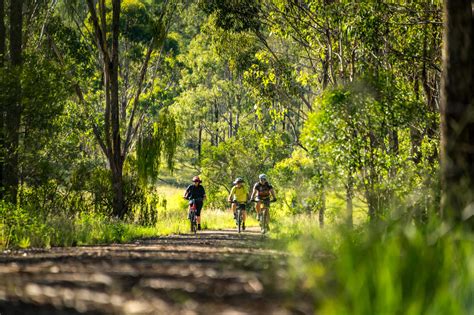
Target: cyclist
x=262, y=191
x=196, y=193
x=238, y=195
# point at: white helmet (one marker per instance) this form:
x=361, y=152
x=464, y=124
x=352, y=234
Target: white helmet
x=262, y=177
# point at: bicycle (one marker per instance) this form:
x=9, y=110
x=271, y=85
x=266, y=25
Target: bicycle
x=264, y=217
x=240, y=207
x=192, y=216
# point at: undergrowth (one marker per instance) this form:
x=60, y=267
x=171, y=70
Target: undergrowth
x=397, y=269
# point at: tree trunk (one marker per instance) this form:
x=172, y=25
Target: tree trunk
x=110, y=60
x=371, y=198
x=349, y=197
x=216, y=120
x=322, y=209
x=13, y=114
x=2, y=33
x=231, y=127
x=457, y=114
x=199, y=142
x=416, y=137
x=120, y=207
x=2, y=108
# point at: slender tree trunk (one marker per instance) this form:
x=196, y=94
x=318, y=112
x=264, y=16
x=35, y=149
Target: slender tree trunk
x=231, y=127
x=199, y=142
x=13, y=114
x=216, y=120
x=3, y=33
x=120, y=208
x=457, y=113
x=110, y=59
x=371, y=192
x=2, y=106
x=349, y=197
x=237, y=123
x=322, y=209
x=415, y=135
x=372, y=205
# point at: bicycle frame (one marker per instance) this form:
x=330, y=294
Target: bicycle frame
x=240, y=207
x=265, y=215
x=192, y=217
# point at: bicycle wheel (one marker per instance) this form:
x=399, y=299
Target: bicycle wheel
x=192, y=221
x=264, y=220
x=239, y=219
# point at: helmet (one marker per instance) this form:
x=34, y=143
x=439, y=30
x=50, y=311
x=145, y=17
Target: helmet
x=262, y=177
x=238, y=180
x=197, y=179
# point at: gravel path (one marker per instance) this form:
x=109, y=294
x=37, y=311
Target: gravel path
x=214, y=272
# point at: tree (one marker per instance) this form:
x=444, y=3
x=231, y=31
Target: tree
x=3, y=40
x=13, y=112
x=123, y=112
x=457, y=113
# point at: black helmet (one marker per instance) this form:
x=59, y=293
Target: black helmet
x=238, y=180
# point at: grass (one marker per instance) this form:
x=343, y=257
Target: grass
x=399, y=269
x=22, y=229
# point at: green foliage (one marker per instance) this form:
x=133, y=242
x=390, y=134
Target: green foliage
x=398, y=270
x=299, y=181
x=234, y=15
x=160, y=141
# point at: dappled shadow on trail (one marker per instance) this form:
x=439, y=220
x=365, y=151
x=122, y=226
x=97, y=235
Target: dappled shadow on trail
x=213, y=272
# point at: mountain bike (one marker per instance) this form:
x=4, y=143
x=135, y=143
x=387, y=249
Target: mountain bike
x=240, y=208
x=192, y=216
x=264, y=218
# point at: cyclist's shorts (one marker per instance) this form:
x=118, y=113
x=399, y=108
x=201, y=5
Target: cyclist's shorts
x=199, y=204
x=265, y=201
x=241, y=205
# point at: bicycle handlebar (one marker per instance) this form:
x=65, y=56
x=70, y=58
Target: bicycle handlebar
x=271, y=200
x=194, y=199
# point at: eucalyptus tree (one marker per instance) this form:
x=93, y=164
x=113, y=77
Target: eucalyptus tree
x=123, y=99
x=13, y=109
x=393, y=50
x=30, y=89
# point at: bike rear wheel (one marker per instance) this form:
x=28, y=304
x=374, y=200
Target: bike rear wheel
x=193, y=224
x=264, y=220
x=239, y=220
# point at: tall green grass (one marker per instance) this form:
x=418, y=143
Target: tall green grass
x=398, y=270
x=21, y=228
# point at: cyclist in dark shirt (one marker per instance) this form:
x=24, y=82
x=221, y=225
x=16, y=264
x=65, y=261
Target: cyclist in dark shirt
x=196, y=193
x=262, y=190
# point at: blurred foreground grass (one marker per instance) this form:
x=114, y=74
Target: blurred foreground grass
x=396, y=269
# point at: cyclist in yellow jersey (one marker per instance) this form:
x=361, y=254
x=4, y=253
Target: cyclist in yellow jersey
x=239, y=195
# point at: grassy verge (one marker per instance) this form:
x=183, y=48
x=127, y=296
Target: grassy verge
x=398, y=270
x=20, y=228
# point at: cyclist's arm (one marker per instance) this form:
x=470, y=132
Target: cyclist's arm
x=253, y=193
x=273, y=194
x=186, y=194
x=229, y=199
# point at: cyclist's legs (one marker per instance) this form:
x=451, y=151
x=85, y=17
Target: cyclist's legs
x=258, y=206
x=233, y=207
x=198, y=211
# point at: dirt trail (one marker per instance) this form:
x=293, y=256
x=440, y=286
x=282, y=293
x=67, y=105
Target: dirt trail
x=214, y=272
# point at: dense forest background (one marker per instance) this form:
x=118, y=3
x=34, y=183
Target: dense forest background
x=338, y=101
x=359, y=112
